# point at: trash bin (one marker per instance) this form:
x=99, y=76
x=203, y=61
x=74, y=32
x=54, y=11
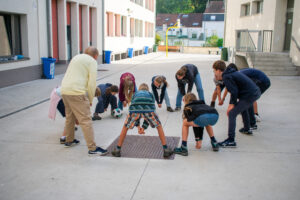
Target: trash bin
x=224, y=54
x=130, y=52
x=107, y=56
x=49, y=67
x=146, y=50
x=155, y=48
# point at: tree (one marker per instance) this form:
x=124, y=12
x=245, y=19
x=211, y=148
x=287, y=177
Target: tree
x=199, y=5
x=174, y=6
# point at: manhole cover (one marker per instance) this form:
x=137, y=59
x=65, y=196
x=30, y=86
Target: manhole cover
x=150, y=147
x=102, y=70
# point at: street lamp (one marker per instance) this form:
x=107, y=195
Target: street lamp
x=177, y=25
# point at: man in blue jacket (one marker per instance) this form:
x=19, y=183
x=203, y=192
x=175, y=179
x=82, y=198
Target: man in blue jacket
x=243, y=93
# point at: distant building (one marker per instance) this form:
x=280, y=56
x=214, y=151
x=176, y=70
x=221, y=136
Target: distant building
x=213, y=19
x=129, y=24
x=264, y=34
x=190, y=31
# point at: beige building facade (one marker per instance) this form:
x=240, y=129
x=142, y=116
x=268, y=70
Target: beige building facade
x=265, y=26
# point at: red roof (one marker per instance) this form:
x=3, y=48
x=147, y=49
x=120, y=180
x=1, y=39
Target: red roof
x=186, y=20
x=215, y=7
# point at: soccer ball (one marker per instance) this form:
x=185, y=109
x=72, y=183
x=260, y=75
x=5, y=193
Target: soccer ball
x=117, y=113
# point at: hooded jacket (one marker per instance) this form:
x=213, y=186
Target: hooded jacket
x=239, y=85
x=163, y=88
x=259, y=77
x=189, y=78
x=197, y=108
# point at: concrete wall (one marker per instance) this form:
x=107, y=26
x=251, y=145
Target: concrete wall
x=272, y=13
x=294, y=52
x=130, y=10
x=202, y=50
x=33, y=30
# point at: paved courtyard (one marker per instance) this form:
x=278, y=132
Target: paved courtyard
x=33, y=165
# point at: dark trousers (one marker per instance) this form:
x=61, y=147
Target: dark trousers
x=103, y=103
x=243, y=107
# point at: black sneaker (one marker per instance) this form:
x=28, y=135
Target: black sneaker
x=62, y=140
x=244, y=131
x=73, y=143
x=227, y=144
x=167, y=152
x=254, y=127
x=96, y=117
x=170, y=109
x=177, y=109
x=98, y=151
x=181, y=151
x=116, y=152
x=215, y=146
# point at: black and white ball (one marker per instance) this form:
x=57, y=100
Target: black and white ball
x=117, y=113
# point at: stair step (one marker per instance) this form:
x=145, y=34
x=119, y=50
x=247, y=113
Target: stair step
x=275, y=64
x=274, y=68
x=266, y=59
x=271, y=55
x=281, y=73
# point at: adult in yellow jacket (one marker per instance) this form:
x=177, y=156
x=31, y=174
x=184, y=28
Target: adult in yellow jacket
x=78, y=90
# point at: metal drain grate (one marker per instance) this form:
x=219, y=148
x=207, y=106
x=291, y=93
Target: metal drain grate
x=150, y=147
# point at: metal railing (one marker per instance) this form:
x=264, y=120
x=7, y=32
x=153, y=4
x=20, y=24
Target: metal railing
x=296, y=43
x=244, y=41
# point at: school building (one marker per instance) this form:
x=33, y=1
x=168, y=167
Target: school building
x=264, y=34
x=32, y=29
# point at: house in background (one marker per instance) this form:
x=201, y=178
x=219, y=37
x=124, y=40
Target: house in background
x=190, y=32
x=264, y=34
x=130, y=24
x=213, y=19
x=53, y=28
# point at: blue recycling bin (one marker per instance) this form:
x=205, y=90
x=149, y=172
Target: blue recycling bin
x=49, y=67
x=146, y=50
x=130, y=52
x=107, y=57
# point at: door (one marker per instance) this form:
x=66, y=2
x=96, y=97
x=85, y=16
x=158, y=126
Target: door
x=288, y=25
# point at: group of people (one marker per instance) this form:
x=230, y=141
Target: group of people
x=78, y=88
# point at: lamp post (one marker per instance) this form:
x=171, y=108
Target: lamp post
x=177, y=25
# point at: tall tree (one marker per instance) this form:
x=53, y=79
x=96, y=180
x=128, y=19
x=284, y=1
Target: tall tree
x=199, y=5
x=174, y=6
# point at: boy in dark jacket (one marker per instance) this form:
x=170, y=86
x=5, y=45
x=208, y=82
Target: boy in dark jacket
x=188, y=74
x=198, y=115
x=108, y=92
x=243, y=93
x=142, y=106
x=262, y=82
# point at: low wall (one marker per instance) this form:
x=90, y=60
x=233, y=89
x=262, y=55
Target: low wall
x=202, y=50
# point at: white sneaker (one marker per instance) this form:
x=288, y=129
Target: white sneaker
x=257, y=118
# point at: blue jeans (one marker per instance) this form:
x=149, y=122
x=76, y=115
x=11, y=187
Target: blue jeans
x=206, y=119
x=198, y=84
x=112, y=100
x=166, y=98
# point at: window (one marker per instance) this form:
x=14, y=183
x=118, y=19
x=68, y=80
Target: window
x=140, y=28
x=195, y=24
x=213, y=17
x=117, y=25
x=136, y=27
x=10, y=35
x=257, y=7
x=194, y=35
x=109, y=22
x=185, y=16
x=140, y=2
x=132, y=28
x=245, y=9
x=123, y=26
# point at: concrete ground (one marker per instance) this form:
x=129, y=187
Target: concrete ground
x=33, y=165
